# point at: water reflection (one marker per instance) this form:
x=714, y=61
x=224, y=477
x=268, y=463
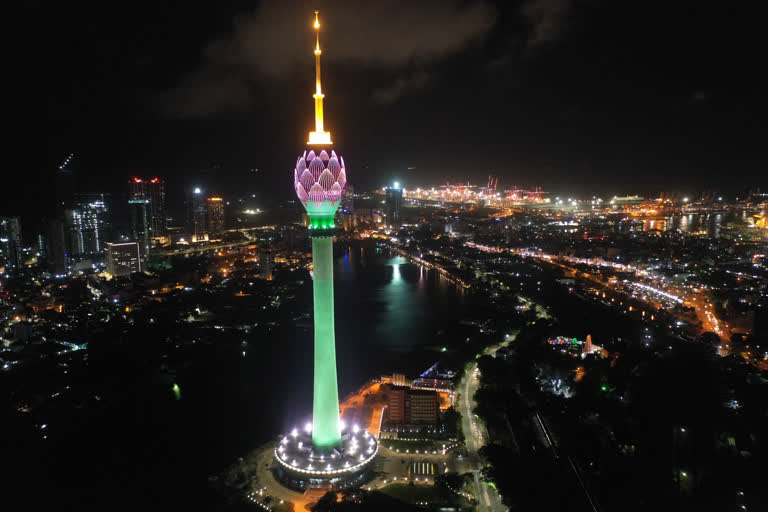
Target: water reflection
x=709, y=224
x=396, y=279
x=391, y=304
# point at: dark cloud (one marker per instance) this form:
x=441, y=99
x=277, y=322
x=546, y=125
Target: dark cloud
x=546, y=19
x=206, y=93
x=403, y=85
x=273, y=43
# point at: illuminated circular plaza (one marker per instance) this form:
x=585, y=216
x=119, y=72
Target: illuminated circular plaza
x=301, y=466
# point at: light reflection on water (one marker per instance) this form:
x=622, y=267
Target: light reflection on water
x=709, y=223
x=387, y=310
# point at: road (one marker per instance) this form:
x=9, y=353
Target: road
x=202, y=249
x=657, y=298
x=706, y=314
x=475, y=435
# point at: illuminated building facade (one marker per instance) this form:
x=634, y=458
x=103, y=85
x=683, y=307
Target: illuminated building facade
x=152, y=192
x=10, y=243
x=395, y=411
x=393, y=204
x=123, y=259
x=146, y=202
x=87, y=225
x=197, y=216
x=140, y=225
x=407, y=406
x=422, y=407
x=325, y=453
x=215, y=213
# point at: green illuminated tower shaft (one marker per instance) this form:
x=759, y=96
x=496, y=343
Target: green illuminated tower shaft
x=326, y=432
x=320, y=179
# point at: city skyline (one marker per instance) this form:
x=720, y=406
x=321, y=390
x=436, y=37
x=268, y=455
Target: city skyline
x=538, y=97
x=536, y=280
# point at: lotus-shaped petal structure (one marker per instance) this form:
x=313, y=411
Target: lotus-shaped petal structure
x=320, y=181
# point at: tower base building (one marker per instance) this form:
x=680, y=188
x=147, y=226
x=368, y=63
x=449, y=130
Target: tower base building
x=299, y=466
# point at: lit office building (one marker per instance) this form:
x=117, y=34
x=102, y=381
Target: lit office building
x=215, y=211
x=406, y=406
x=152, y=193
x=11, y=255
x=197, y=217
x=87, y=225
x=123, y=259
x=393, y=204
x=141, y=230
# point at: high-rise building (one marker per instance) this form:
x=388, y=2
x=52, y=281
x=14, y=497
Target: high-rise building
x=87, y=225
x=197, y=218
x=215, y=211
x=56, y=247
x=11, y=249
x=151, y=193
x=325, y=453
x=41, y=246
x=393, y=204
x=141, y=229
x=123, y=259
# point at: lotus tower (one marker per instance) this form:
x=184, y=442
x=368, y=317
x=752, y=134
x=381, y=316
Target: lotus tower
x=324, y=453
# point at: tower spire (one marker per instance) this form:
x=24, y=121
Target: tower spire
x=319, y=136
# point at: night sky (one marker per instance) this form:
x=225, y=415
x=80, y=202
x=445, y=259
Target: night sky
x=591, y=96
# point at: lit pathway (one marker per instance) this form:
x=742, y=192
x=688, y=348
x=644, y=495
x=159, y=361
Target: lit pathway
x=265, y=459
x=488, y=498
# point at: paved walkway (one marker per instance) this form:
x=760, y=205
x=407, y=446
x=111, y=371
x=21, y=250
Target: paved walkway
x=265, y=458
